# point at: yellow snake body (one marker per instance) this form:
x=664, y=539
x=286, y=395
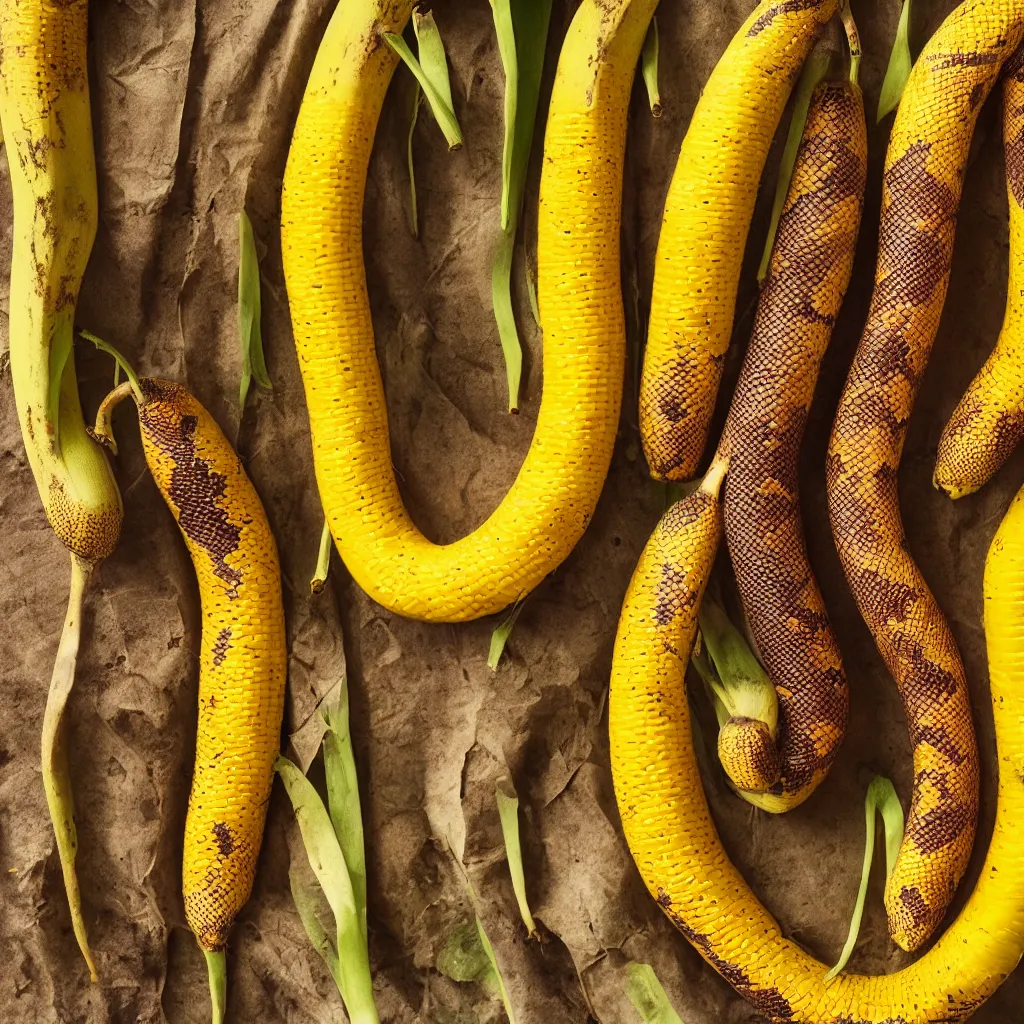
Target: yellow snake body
x=987, y=423
x=550, y=503
x=707, y=216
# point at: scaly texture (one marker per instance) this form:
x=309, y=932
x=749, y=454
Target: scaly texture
x=548, y=507
x=673, y=840
x=987, y=424
x=921, y=192
x=44, y=113
x=707, y=216
x=243, y=656
x=810, y=270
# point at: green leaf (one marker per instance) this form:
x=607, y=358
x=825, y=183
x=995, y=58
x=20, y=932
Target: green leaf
x=414, y=213
x=900, y=64
x=119, y=362
x=217, y=973
x=61, y=342
x=813, y=71
x=463, y=958
x=307, y=899
x=328, y=864
x=881, y=796
x=254, y=365
x=501, y=634
x=646, y=994
x=649, y=67
x=343, y=797
x=504, y=315
x=742, y=684
x=432, y=57
x=493, y=960
x=522, y=30
x=441, y=107
x=508, y=811
x=323, y=560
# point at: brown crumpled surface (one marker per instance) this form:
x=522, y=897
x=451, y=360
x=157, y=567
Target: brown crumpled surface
x=193, y=105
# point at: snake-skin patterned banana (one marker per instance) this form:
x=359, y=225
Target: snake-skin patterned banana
x=707, y=217
x=921, y=193
x=672, y=836
x=810, y=270
x=987, y=424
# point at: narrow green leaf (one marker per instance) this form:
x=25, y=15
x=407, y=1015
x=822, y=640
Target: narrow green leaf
x=501, y=634
x=320, y=840
x=522, y=31
x=254, y=366
x=414, y=213
x=508, y=811
x=61, y=342
x=120, y=363
x=432, y=56
x=900, y=64
x=646, y=994
x=813, y=71
x=443, y=113
x=504, y=315
x=881, y=796
x=649, y=67
x=343, y=797
x=306, y=896
x=323, y=560
x=493, y=960
x=888, y=803
x=701, y=661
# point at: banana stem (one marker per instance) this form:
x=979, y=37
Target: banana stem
x=852, y=39
x=104, y=430
x=56, y=776
x=217, y=969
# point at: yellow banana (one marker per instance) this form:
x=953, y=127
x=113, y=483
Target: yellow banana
x=243, y=660
x=707, y=216
x=46, y=125
x=548, y=507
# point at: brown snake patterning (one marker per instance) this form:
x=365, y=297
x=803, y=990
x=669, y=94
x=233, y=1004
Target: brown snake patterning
x=920, y=195
x=810, y=269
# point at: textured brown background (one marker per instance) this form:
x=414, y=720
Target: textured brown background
x=193, y=105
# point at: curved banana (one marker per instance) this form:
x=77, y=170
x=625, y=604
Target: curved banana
x=923, y=180
x=810, y=270
x=989, y=420
x=243, y=659
x=673, y=839
x=47, y=128
x=707, y=216
x=548, y=507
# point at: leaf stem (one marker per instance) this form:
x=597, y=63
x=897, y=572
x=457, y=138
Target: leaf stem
x=443, y=113
x=56, y=774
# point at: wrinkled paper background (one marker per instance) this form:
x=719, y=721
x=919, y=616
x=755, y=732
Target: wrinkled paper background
x=193, y=106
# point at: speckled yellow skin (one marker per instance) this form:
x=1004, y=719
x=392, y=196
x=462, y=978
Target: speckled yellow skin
x=44, y=113
x=548, y=507
x=673, y=840
x=242, y=664
x=707, y=216
x=987, y=424
x=921, y=190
